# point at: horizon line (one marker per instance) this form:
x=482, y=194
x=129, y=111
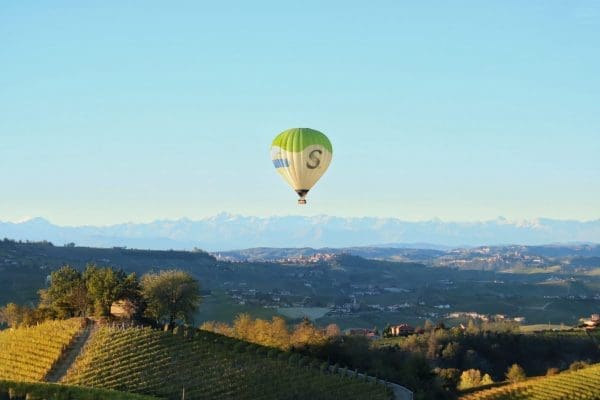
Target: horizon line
x=227, y=214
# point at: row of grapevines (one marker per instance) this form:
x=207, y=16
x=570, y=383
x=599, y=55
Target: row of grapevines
x=38, y=391
x=583, y=384
x=209, y=366
x=28, y=354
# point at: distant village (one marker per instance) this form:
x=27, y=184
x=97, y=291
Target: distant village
x=296, y=260
x=490, y=257
x=286, y=299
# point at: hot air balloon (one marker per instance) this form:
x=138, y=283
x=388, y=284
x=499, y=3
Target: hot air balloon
x=301, y=156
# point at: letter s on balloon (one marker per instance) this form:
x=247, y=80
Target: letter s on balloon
x=315, y=160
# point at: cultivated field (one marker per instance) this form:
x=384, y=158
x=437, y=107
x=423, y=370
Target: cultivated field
x=583, y=384
x=28, y=354
x=30, y=390
x=209, y=366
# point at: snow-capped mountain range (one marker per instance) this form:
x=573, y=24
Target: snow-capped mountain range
x=227, y=232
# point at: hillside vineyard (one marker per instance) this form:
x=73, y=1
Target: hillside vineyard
x=28, y=354
x=209, y=366
x=583, y=384
x=39, y=391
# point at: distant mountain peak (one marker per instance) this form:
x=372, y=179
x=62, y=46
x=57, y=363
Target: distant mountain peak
x=35, y=221
x=226, y=231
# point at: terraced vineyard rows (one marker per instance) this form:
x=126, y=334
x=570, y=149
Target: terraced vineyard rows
x=29, y=390
x=208, y=366
x=583, y=384
x=28, y=354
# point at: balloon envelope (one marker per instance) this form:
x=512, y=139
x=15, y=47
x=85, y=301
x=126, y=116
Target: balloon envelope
x=301, y=156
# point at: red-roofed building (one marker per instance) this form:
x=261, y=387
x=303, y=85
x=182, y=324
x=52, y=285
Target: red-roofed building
x=401, y=330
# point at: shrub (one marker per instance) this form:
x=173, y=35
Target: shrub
x=469, y=378
x=450, y=377
x=577, y=365
x=515, y=373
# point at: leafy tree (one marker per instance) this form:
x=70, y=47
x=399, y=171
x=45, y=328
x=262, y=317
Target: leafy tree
x=171, y=295
x=515, y=374
x=15, y=315
x=243, y=326
x=332, y=331
x=280, y=333
x=486, y=379
x=472, y=327
x=11, y=315
x=470, y=378
x=428, y=326
x=450, y=377
x=107, y=285
x=387, y=331
x=217, y=327
x=577, y=365
x=451, y=351
x=306, y=333
x=67, y=293
x=432, y=346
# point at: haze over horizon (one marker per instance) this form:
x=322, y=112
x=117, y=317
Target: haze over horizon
x=221, y=214
x=229, y=232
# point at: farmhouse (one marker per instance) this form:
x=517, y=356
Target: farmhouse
x=401, y=330
x=593, y=322
x=123, y=309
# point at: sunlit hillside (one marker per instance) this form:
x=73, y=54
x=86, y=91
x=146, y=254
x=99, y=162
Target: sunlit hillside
x=209, y=366
x=583, y=384
x=28, y=354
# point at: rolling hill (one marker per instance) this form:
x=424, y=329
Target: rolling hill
x=209, y=366
x=583, y=384
x=40, y=391
x=28, y=354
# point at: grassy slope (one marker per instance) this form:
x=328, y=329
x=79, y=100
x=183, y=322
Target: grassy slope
x=583, y=384
x=32, y=390
x=28, y=354
x=208, y=366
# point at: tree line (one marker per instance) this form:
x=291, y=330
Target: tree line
x=274, y=333
x=164, y=297
x=439, y=361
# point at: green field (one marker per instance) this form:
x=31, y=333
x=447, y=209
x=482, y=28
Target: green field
x=25, y=266
x=209, y=366
x=583, y=384
x=544, y=327
x=312, y=313
x=31, y=390
x=28, y=354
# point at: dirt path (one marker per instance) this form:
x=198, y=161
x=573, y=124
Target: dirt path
x=70, y=354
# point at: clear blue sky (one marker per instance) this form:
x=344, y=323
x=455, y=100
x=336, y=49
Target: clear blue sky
x=132, y=111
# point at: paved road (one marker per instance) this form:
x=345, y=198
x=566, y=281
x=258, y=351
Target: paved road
x=400, y=392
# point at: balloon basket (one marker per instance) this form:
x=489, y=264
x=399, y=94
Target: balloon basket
x=301, y=201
